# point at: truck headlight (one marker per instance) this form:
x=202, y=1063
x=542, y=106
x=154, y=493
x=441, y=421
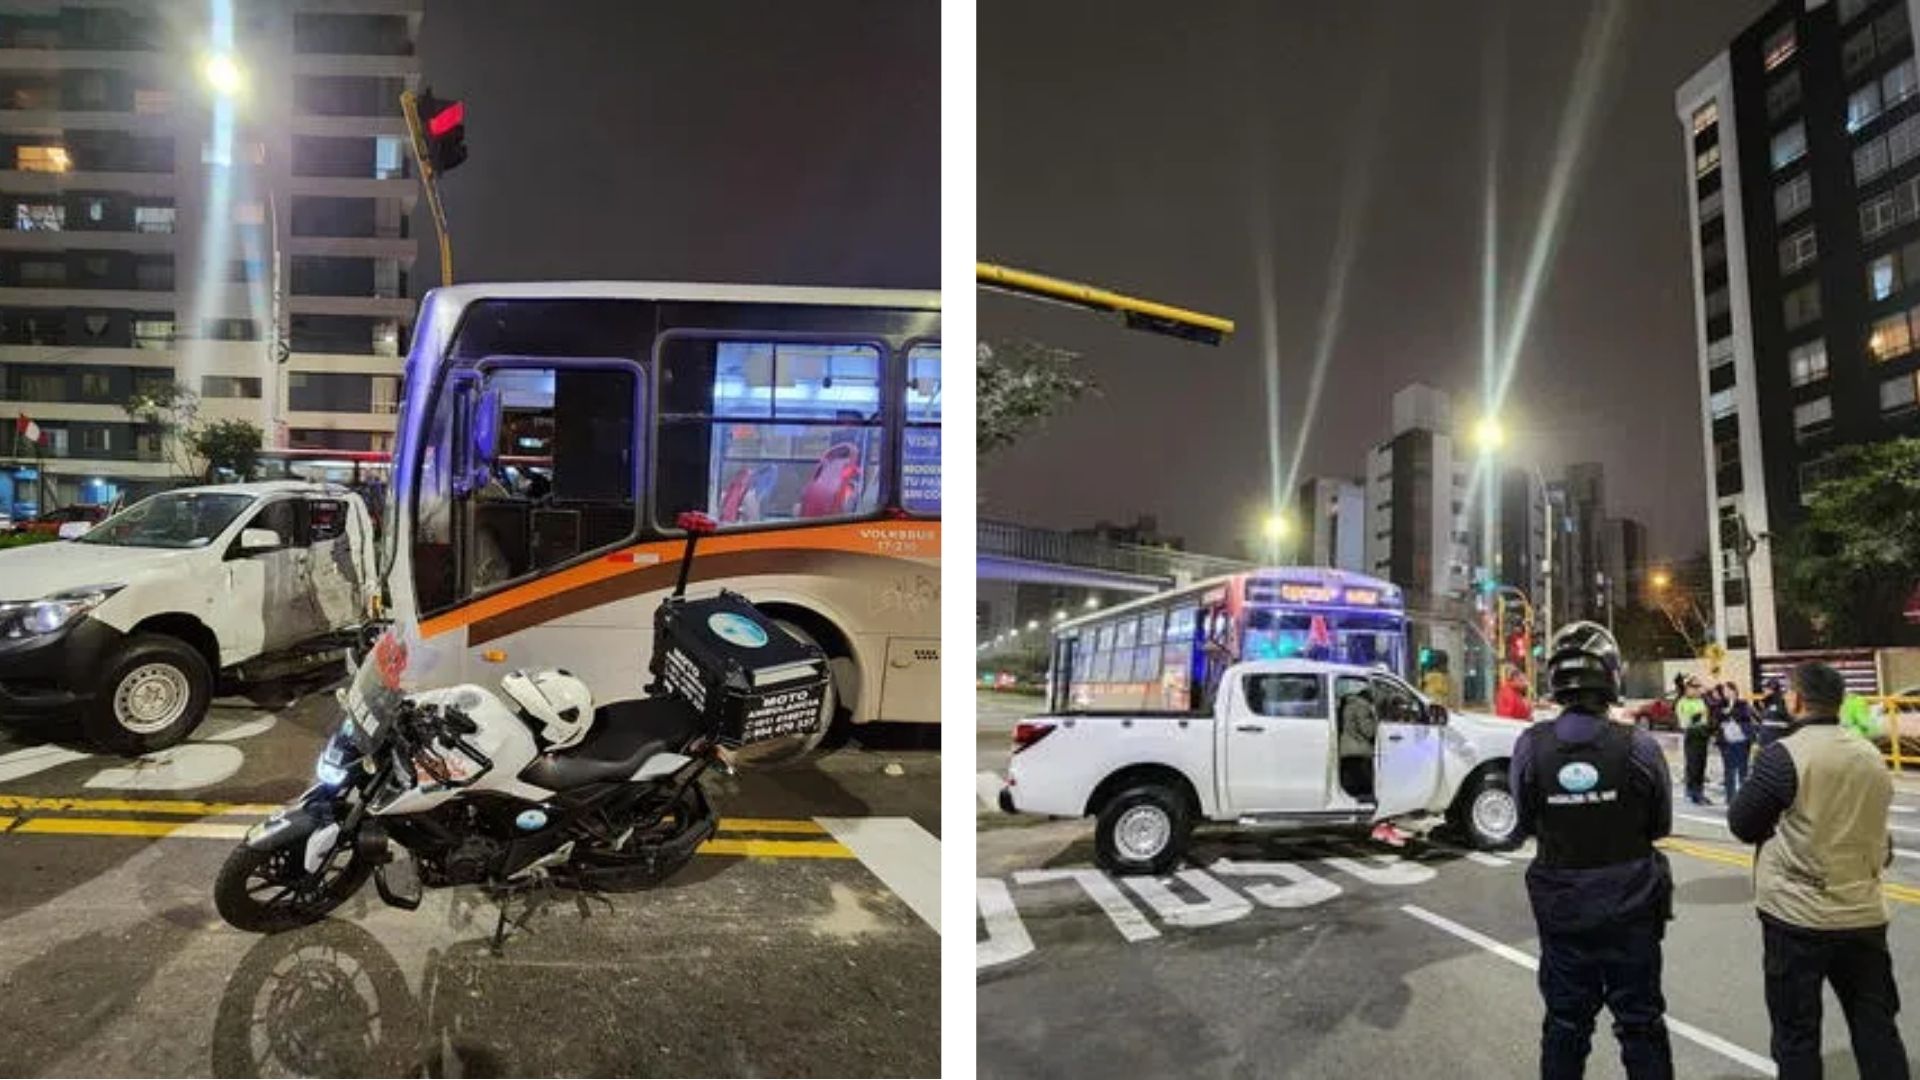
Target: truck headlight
x=31, y=618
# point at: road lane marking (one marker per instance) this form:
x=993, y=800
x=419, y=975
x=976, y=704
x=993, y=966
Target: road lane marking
x=778, y=849
x=1007, y=937
x=1905, y=894
x=35, y=759
x=1101, y=890
x=1698, y=1036
x=987, y=786
x=904, y=856
x=772, y=825
x=195, y=830
x=1721, y=823
x=190, y=807
x=1220, y=904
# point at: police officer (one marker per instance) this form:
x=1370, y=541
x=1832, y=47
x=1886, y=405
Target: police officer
x=1596, y=795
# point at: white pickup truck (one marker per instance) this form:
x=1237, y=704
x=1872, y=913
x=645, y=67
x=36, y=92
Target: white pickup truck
x=130, y=625
x=1267, y=755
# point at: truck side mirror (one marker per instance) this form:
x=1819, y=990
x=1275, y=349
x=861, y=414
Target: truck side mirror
x=1436, y=714
x=254, y=541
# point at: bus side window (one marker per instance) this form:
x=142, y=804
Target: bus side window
x=762, y=432
x=920, y=454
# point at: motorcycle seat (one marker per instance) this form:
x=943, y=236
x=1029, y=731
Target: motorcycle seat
x=624, y=735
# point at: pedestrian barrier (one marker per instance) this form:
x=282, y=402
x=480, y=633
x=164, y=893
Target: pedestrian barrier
x=1899, y=721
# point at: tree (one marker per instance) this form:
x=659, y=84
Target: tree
x=1020, y=384
x=1850, y=564
x=173, y=409
x=227, y=444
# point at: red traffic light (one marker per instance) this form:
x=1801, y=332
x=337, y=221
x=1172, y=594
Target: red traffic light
x=446, y=131
x=451, y=116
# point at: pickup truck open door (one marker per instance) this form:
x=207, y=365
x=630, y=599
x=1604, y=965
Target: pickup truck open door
x=1407, y=754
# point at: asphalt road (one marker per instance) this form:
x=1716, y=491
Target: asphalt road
x=799, y=943
x=1322, y=956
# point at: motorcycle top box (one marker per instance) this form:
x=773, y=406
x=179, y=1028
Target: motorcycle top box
x=747, y=677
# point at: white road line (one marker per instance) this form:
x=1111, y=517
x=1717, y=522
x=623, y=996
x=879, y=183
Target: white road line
x=1721, y=823
x=1007, y=937
x=35, y=759
x=987, y=786
x=904, y=856
x=1705, y=1039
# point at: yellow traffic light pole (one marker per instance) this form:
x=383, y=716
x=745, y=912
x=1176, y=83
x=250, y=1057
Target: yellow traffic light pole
x=429, y=180
x=1149, y=315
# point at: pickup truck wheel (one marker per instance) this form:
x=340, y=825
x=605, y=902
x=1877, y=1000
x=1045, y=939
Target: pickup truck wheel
x=155, y=691
x=1142, y=830
x=1487, y=813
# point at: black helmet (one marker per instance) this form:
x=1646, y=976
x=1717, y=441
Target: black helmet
x=1583, y=659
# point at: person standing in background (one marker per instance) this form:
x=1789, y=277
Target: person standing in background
x=1691, y=713
x=1734, y=734
x=1817, y=807
x=1774, y=720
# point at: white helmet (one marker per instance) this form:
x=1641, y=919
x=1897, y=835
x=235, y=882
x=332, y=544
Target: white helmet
x=558, y=705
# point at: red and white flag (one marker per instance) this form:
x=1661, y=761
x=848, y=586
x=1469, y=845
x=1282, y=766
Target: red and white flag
x=29, y=430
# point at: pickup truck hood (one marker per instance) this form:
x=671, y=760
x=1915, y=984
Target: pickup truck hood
x=39, y=570
x=1492, y=736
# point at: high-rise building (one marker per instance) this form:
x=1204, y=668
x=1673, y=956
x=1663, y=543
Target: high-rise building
x=1332, y=515
x=1418, y=535
x=1577, y=545
x=1802, y=150
x=1625, y=547
x=1521, y=553
x=164, y=180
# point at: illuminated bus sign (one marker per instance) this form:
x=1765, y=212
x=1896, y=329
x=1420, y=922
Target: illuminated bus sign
x=1302, y=592
x=1363, y=597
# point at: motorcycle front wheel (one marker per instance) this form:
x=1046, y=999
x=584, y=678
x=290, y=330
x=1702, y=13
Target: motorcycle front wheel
x=266, y=892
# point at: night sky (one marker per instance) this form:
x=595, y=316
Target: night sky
x=1121, y=147
x=751, y=141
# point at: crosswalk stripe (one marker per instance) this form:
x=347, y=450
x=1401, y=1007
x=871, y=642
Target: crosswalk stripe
x=987, y=786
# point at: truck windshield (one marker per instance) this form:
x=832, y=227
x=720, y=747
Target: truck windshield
x=176, y=519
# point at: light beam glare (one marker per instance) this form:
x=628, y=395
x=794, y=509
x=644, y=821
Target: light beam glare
x=1269, y=343
x=1596, y=49
x=1355, y=190
x=216, y=227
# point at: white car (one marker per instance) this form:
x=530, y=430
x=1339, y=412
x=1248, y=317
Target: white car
x=1267, y=755
x=130, y=625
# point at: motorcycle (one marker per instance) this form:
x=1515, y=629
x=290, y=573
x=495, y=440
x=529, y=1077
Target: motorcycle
x=451, y=786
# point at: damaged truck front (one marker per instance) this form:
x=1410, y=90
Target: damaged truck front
x=131, y=628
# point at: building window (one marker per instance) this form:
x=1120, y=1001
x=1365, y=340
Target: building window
x=1726, y=454
x=1719, y=353
x=1899, y=83
x=95, y=385
x=42, y=272
x=1808, y=363
x=1897, y=395
x=1857, y=53
x=386, y=338
x=230, y=330
x=229, y=386
x=1802, y=305
x=1903, y=141
x=1706, y=160
x=1890, y=337
x=1890, y=29
x=1714, y=252
x=1798, y=250
x=96, y=439
x=152, y=102
x=1792, y=196
x=1783, y=95
x=249, y=212
x=1851, y=9
x=1710, y=207
x=1813, y=417
x=1883, y=277
x=1869, y=160
x=1779, y=47
x=39, y=217
x=42, y=159
x=153, y=219
x=1706, y=116
x=155, y=275
x=1893, y=207
x=1717, y=302
x=1789, y=145
x=153, y=333
x=1722, y=403
x=1862, y=106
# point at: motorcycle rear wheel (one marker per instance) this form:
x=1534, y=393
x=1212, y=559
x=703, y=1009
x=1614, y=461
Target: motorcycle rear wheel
x=647, y=859
x=267, y=892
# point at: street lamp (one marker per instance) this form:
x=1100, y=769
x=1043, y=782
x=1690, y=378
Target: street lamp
x=1277, y=528
x=1660, y=580
x=1093, y=602
x=1033, y=624
x=1489, y=434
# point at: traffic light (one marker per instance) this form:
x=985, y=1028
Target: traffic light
x=445, y=123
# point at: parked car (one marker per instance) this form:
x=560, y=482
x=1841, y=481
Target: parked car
x=1655, y=715
x=1265, y=756
x=54, y=521
x=129, y=626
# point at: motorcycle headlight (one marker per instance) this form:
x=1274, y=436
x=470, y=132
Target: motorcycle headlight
x=32, y=618
x=329, y=773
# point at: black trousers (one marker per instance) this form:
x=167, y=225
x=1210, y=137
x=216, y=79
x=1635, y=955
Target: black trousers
x=1618, y=966
x=1356, y=775
x=1798, y=962
x=1695, y=748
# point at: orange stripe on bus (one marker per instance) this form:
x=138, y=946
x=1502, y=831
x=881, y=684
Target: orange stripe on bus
x=865, y=537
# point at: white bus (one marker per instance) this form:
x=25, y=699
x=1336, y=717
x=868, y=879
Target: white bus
x=549, y=434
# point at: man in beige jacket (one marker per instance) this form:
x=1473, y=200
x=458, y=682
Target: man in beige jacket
x=1817, y=805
